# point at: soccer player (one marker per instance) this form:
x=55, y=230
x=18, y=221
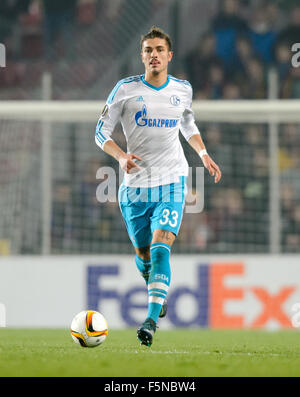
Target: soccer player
x=152, y=108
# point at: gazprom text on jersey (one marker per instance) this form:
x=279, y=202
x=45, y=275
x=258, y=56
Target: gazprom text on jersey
x=142, y=121
x=161, y=123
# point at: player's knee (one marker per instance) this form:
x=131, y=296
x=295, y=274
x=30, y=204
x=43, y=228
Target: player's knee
x=163, y=236
x=143, y=253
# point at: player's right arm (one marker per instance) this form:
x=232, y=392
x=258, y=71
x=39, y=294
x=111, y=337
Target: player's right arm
x=126, y=160
x=111, y=114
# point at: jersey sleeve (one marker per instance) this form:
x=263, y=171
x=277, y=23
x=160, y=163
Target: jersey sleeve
x=110, y=115
x=188, y=126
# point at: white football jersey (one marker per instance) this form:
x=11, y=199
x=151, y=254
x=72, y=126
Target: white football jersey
x=151, y=118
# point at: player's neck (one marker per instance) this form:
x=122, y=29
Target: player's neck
x=156, y=80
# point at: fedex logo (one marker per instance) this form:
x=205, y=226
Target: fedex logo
x=209, y=292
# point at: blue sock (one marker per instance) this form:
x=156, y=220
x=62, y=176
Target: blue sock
x=144, y=267
x=159, y=278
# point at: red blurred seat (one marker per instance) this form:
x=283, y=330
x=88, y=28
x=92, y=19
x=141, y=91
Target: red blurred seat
x=86, y=12
x=31, y=40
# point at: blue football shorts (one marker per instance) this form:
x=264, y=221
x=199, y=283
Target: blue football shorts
x=147, y=209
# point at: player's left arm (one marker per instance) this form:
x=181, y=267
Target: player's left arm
x=197, y=144
x=192, y=135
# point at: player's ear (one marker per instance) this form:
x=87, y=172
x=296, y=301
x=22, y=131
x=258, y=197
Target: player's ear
x=170, y=55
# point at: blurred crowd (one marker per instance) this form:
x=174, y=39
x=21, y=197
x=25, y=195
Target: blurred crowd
x=74, y=40
x=231, y=59
x=245, y=40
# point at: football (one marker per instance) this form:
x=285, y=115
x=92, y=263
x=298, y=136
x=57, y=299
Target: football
x=89, y=328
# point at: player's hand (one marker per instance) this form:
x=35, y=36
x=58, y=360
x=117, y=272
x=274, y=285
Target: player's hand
x=212, y=167
x=128, y=164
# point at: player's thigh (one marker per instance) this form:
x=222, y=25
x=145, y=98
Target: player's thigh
x=168, y=212
x=138, y=226
x=166, y=221
x=137, y=220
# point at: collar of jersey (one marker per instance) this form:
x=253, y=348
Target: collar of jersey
x=153, y=86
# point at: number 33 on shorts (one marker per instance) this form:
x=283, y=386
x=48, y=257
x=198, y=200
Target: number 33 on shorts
x=170, y=219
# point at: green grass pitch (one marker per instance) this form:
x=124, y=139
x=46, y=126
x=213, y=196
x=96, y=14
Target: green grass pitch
x=195, y=353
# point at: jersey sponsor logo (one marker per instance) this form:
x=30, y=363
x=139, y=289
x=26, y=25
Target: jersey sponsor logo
x=142, y=120
x=140, y=117
x=140, y=99
x=175, y=100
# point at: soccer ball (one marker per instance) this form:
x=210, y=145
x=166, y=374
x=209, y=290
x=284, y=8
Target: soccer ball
x=89, y=328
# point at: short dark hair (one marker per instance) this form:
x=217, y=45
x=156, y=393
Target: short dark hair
x=157, y=32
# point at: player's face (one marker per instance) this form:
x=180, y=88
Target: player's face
x=156, y=55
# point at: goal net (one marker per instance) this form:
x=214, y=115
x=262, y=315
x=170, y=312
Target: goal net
x=48, y=183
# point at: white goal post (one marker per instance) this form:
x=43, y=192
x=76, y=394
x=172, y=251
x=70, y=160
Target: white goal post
x=247, y=111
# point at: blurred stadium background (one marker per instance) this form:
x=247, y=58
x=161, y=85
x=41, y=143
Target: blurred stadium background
x=77, y=50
